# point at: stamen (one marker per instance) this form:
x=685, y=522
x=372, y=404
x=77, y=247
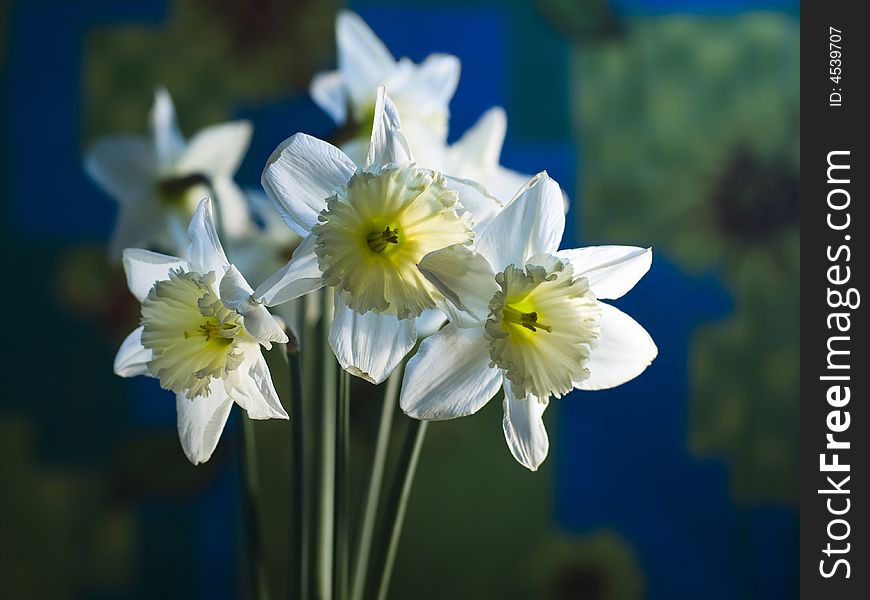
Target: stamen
x=378, y=240
x=210, y=329
x=529, y=320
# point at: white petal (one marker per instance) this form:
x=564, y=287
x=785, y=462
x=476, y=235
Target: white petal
x=300, y=175
x=481, y=145
x=356, y=150
x=206, y=253
x=372, y=345
x=252, y=388
x=429, y=86
x=124, y=166
x=201, y=422
x=524, y=428
x=144, y=268
x=477, y=200
x=623, y=352
x=465, y=279
x=504, y=183
x=216, y=150
x=237, y=294
x=363, y=59
x=298, y=277
x=168, y=141
x=532, y=224
x=132, y=358
x=611, y=270
x=426, y=142
x=234, y=290
x=388, y=145
x=327, y=91
x=430, y=321
x=449, y=376
x=232, y=207
x=272, y=225
x=475, y=156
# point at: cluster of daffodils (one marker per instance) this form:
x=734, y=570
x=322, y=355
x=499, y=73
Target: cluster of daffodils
x=411, y=237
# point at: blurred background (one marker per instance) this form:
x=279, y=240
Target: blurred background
x=670, y=123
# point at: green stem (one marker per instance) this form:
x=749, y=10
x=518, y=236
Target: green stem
x=255, y=554
x=325, y=461
x=301, y=475
x=397, y=503
x=342, y=455
x=311, y=358
x=373, y=492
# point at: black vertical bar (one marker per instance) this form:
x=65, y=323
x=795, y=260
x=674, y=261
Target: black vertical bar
x=834, y=541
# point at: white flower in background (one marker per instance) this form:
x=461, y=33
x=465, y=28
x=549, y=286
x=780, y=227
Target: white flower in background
x=266, y=246
x=364, y=232
x=159, y=179
x=420, y=92
x=200, y=336
x=527, y=317
x=265, y=249
x=475, y=156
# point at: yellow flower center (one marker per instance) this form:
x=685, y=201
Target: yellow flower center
x=192, y=335
x=373, y=234
x=542, y=324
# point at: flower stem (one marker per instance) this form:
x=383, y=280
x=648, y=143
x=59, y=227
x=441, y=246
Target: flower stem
x=255, y=555
x=325, y=460
x=397, y=502
x=373, y=492
x=301, y=476
x=311, y=352
x=342, y=455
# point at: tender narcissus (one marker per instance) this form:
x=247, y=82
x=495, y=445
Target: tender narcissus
x=200, y=335
x=158, y=180
x=527, y=317
x=364, y=232
x=421, y=92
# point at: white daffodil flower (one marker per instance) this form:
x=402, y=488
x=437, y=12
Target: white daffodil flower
x=475, y=156
x=529, y=318
x=200, y=336
x=364, y=232
x=420, y=92
x=158, y=180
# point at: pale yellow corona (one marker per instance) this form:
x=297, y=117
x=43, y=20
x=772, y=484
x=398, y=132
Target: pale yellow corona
x=373, y=234
x=193, y=337
x=542, y=325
